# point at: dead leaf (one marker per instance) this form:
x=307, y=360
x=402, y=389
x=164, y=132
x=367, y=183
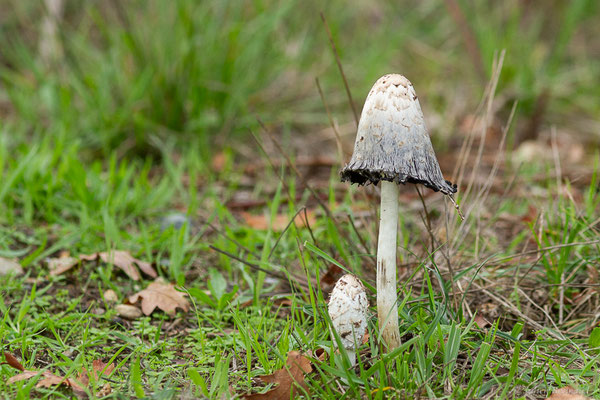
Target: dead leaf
x=123, y=260
x=332, y=275
x=280, y=222
x=61, y=264
x=481, y=322
x=49, y=380
x=365, y=339
x=162, y=295
x=12, y=361
x=567, y=393
x=26, y=374
x=98, y=366
x=285, y=378
x=7, y=266
x=321, y=354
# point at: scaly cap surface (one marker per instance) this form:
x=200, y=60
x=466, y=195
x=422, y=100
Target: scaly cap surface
x=392, y=142
x=348, y=307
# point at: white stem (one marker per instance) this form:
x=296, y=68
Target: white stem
x=387, y=308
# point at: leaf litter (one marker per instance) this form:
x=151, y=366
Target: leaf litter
x=162, y=295
x=286, y=379
x=48, y=379
x=121, y=259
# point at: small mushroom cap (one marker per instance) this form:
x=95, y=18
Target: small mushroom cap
x=392, y=142
x=348, y=306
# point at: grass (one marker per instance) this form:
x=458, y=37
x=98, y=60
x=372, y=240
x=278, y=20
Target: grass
x=148, y=114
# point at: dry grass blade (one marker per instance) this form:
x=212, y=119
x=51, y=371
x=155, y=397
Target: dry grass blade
x=515, y=310
x=475, y=204
x=248, y=263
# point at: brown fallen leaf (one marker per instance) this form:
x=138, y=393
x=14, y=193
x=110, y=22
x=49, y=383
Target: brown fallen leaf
x=567, y=393
x=48, y=379
x=333, y=273
x=321, y=354
x=280, y=222
x=61, y=264
x=285, y=378
x=162, y=295
x=481, y=322
x=98, y=368
x=123, y=260
x=12, y=361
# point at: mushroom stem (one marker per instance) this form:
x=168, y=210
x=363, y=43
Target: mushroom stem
x=387, y=308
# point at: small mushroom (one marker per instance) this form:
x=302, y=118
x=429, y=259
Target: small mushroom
x=348, y=307
x=392, y=146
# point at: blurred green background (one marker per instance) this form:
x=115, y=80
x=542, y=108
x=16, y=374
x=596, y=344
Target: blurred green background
x=136, y=77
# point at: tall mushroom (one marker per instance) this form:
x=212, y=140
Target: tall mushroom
x=392, y=146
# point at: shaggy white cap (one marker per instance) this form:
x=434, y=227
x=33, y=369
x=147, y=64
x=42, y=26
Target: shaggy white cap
x=392, y=142
x=348, y=307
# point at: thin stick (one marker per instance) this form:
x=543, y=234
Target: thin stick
x=310, y=231
x=296, y=171
x=286, y=228
x=238, y=244
x=339, y=64
x=456, y=207
x=285, y=186
x=542, y=249
x=248, y=263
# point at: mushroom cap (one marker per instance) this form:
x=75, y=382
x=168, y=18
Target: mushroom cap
x=348, y=307
x=392, y=142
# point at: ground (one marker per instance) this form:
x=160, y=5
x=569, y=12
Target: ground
x=197, y=146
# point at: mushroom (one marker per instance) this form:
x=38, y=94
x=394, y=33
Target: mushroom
x=392, y=146
x=348, y=307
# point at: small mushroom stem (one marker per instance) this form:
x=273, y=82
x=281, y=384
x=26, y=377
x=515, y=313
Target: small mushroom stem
x=387, y=308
